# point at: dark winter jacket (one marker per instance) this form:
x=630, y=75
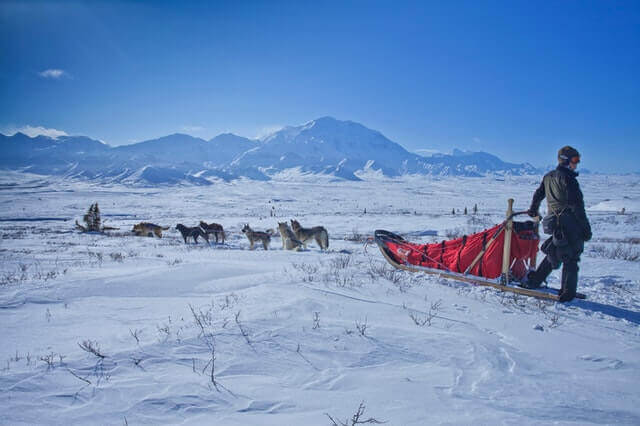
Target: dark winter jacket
x=564, y=197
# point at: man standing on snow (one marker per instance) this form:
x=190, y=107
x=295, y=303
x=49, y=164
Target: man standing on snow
x=572, y=228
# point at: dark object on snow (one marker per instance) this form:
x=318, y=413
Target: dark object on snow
x=146, y=229
x=93, y=221
x=491, y=258
x=213, y=228
x=478, y=254
x=193, y=232
x=563, y=194
x=567, y=223
x=397, y=251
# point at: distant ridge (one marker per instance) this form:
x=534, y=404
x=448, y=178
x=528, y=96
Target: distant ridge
x=343, y=150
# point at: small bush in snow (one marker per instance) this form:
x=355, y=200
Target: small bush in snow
x=340, y=262
x=164, y=332
x=427, y=318
x=609, y=219
x=623, y=289
x=356, y=419
x=633, y=219
x=554, y=320
x=362, y=327
x=629, y=240
x=514, y=300
x=316, y=320
x=136, y=335
x=50, y=360
x=117, y=257
x=97, y=256
x=341, y=278
x=478, y=223
x=620, y=251
x=244, y=332
x=204, y=322
x=355, y=236
x=92, y=348
x=383, y=270
x=452, y=234
x=310, y=271
x=8, y=277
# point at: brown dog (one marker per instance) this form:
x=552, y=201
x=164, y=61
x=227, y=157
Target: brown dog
x=148, y=229
x=254, y=236
x=319, y=233
x=213, y=228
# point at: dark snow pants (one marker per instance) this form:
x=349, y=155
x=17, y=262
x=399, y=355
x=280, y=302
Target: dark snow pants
x=569, y=277
x=567, y=255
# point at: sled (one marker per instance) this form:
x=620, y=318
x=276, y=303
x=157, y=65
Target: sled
x=497, y=257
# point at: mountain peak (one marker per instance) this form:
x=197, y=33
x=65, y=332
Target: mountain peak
x=327, y=119
x=325, y=145
x=19, y=135
x=230, y=138
x=178, y=135
x=177, y=138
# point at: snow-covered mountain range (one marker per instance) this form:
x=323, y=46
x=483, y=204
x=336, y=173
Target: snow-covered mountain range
x=327, y=146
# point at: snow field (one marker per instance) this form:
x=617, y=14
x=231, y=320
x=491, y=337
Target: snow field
x=297, y=336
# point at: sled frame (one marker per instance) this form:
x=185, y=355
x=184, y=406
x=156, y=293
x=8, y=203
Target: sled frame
x=467, y=278
x=500, y=283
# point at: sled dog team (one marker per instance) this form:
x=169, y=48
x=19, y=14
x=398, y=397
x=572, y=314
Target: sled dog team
x=294, y=237
x=203, y=230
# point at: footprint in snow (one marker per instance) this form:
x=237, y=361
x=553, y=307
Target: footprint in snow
x=603, y=362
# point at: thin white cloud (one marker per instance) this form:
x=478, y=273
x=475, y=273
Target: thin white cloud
x=53, y=73
x=268, y=130
x=33, y=131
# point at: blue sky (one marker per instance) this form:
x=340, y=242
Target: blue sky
x=517, y=79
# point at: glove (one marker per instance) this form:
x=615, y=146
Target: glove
x=586, y=235
x=532, y=212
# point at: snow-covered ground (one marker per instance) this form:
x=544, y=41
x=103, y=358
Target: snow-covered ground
x=304, y=337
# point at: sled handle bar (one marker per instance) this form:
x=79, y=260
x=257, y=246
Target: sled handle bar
x=519, y=213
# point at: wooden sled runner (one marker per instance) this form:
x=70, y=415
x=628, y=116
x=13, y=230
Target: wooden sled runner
x=496, y=257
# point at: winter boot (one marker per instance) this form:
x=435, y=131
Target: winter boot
x=534, y=279
x=569, y=280
x=529, y=281
x=564, y=297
